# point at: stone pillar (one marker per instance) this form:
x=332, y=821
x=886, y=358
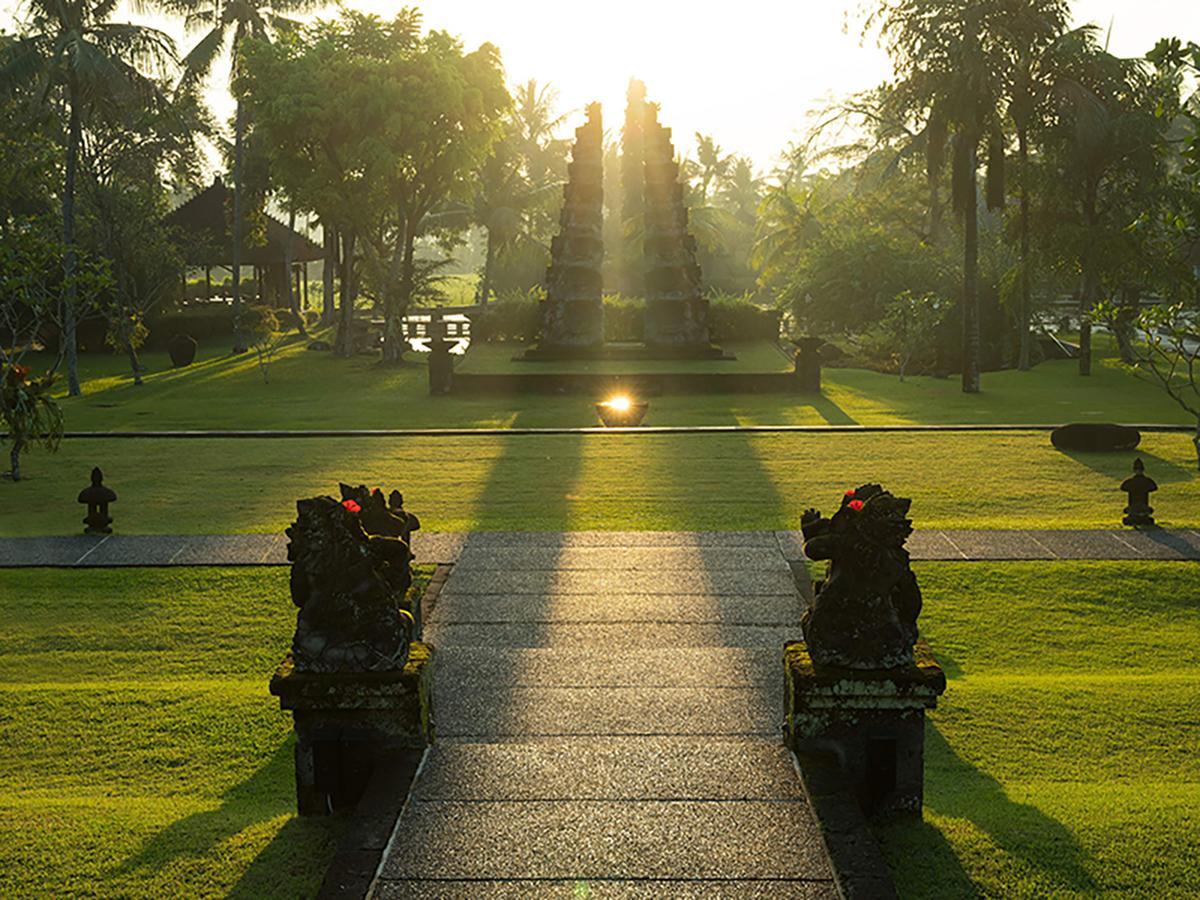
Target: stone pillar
x=873, y=721
x=676, y=313
x=441, y=363
x=347, y=723
x=572, y=315
x=808, y=365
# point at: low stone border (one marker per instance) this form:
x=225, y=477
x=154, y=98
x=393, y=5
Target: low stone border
x=854, y=855
x=352, y=871
x=433, y=590
x=225, y=434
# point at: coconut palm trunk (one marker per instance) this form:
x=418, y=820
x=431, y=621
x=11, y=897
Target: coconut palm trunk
x=345, y=338
x=1090, y=293
x=970, y=306
x=328, y=273
x=239, y=339
x=1024, y=302
x=74, y=140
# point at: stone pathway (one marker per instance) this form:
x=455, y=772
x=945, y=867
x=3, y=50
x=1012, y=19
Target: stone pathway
x=608, y=712
x=444, y=547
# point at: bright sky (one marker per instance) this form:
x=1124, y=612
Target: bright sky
x=749, y=73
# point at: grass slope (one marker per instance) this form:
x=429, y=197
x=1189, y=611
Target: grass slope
x=1064, y=759
x=140, y=754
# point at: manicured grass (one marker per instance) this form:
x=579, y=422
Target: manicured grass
x=605, y=481
x=1064, y=758
x=140, y=754
x=752, y=356
x=318, y=390
x=599, y=481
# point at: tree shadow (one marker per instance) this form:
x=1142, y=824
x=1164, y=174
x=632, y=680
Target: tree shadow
x=1119, y=466
x=265, y=795
x=831, y=412
x=922, y=861
x=957, y=789
x=504, y=502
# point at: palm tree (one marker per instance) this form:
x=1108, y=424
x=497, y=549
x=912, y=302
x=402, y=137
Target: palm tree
x=712, y=162
x=1106, y=135
x=226, y=24
x=71, y=55
x=951, y=70
x=1037, y=39
x=741, y=190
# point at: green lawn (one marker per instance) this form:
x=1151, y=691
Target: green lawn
x=1064, y=758
x=140, y=754
x=318, y=390
x=599, y=481
x=604, y=481
x=752, y=356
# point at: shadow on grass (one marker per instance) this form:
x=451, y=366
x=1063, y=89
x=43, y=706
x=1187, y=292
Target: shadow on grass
x=533, y=479
x=831, y=412
x=957, y=789
x=266, y=794
x=1119, y=466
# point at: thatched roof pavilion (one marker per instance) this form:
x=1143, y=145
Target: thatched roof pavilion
x=203, y=223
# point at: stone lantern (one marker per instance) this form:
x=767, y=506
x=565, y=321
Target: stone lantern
x=1139, y=486
x=97, y=497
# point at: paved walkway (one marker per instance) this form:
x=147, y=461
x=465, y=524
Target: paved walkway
x=608, y=711
x=271, y=549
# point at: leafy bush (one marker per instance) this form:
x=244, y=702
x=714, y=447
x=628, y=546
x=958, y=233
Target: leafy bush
x=201, y=322
x=738, y=318
x=514, y=317
x=261, y=325
x=29, y=412
x=624, y=318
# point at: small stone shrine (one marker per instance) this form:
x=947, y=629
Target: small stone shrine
x=356, y=681
x=97, y=496
x=1139, y=486
x=859, y=683
x=572, y=315
x=676, y=311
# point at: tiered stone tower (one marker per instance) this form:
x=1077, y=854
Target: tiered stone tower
x=676, y=312
x=573, y=312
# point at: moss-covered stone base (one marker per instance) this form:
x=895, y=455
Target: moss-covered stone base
x=872, y=721
x=345, y=723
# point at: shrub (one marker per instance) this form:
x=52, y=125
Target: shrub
x=738, y=318
x=624, y=318
x=201, y=322
x=514, y=317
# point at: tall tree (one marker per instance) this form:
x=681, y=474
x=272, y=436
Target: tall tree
x=1105, y=148
x=713, y=162
x=951, y=68
x=226, y=24
x=1038, y=41
x=72, y=56
x=417, y=116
